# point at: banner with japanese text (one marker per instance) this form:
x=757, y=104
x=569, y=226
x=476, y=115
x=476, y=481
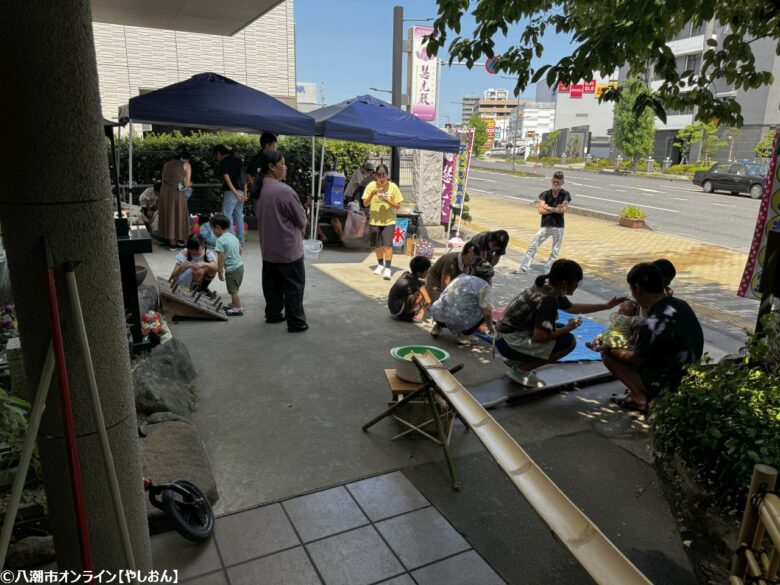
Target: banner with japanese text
x=423, y=73
x=768, y=221
x=576, y=91
x=589, y=86
x=462, y=170
x=447, y=182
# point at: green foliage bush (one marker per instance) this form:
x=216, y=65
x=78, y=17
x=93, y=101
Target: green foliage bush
x=633, y=212
x=686, y=169
x=725, y=418
x=152, y=151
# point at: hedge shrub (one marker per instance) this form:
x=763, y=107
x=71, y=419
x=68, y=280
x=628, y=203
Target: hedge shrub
x=725, y=418
x=152, y=151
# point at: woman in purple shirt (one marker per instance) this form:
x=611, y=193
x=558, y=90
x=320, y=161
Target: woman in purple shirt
x=281, y=221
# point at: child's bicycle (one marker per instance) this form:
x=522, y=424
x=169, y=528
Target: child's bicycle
x=187, y=508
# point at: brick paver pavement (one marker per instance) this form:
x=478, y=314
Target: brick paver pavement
x=707, y=275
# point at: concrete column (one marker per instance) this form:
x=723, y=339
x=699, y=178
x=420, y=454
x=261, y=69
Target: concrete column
x=55, y=183
x=426, y=187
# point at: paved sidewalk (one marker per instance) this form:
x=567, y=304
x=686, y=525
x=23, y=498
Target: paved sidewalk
x=707, y=275
x=378, y=530
x=280, y=415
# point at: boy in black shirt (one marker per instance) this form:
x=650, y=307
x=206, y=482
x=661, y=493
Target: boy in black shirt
x=407, y=298
x=553, y=203
x=668, y=339
x=233, y=188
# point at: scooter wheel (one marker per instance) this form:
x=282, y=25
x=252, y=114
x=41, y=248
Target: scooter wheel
x=189, y=512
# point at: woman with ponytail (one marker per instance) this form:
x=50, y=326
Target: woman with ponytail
x=526, y=333
x=281, y=221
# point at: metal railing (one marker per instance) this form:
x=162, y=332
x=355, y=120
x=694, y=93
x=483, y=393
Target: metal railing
x=757, y=558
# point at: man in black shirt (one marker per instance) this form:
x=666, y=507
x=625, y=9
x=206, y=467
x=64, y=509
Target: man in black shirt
x=553, y=203
x=267, y=144
x=407, y=298
x=233, y=185
x=668, y=339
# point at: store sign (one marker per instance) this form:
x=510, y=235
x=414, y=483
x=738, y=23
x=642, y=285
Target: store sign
x=423, y=71
x=563, y=88
x=600, y=87
x=768, y=221
x=576, y=91
x=589, y=86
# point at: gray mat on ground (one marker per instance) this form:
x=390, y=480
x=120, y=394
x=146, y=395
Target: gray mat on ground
x=623, y=499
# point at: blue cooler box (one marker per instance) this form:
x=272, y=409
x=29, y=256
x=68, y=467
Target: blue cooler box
x=334, y=189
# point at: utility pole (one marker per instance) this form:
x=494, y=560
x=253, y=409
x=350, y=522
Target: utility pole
x=398, y=41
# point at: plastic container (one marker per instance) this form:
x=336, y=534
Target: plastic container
x=312, y=249
x=334, y=189
x=404, y=366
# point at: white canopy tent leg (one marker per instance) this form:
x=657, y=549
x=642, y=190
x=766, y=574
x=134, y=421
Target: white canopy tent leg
x=322, y=165
x=130, y=172
x=313, y=162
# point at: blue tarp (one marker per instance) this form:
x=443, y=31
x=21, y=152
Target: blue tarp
x=208, y=100
x=372, y=121
x=584, y=333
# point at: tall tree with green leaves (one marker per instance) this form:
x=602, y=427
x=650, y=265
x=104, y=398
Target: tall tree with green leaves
x=710, y=142
x=480, y=134
x=686, y=138
x=547, y=146
x=634, y=133
x=764, y=147
x=612, y=34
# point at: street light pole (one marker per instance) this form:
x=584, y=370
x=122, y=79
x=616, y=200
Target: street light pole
x=398, y=25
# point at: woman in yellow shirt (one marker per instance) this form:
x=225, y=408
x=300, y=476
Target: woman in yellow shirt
x=384, y=197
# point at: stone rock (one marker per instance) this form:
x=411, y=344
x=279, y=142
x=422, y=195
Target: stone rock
x=173, y=450
x=156, y=392
x=32, y=551
x=163, y=381
x=426, y=185
x=160, y=417
x=174, y=358
x=148, y=298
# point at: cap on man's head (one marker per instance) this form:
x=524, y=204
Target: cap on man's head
x=368, y=165
x=558, y=175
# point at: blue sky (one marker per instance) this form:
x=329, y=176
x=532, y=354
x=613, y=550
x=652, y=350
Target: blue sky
x=347, y=44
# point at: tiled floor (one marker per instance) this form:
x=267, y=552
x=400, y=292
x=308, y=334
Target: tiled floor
x=379, y=530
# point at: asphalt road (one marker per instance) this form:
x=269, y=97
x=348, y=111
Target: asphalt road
x=674, y=207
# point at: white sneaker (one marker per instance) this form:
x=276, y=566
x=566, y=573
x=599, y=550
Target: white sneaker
x=379, y=269
x=527, y=379
x=520, y=270
x=387, y=274
x=435, y=330
x=462, y=339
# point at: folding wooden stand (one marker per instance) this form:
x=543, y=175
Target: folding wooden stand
x=429, y=394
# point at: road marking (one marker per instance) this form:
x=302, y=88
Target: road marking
x=619, y=190
x=481, y=179
x=723, y=205
x=679, y=199
x=578, y=184
x=627, y=203
x=686, y=190
x=650, y=190
x=481, y=191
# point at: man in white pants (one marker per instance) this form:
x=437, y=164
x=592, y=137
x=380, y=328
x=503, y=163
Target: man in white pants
x=553, y=203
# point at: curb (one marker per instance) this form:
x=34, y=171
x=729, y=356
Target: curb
x=585, y=212
x=656, y=177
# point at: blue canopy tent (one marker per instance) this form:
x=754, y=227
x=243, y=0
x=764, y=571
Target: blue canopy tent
x=372, y=121
x=209, y=100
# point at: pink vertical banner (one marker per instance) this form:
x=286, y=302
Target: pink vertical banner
x=768, y=220
x=447, y=180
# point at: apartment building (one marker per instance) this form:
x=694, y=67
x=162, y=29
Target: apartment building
x=133, y=60
x=760, y=107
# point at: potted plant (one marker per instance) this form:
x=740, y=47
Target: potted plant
x=632, y=216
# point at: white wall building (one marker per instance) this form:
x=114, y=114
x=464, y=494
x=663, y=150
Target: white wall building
x=468, y=105
x=529, y=122
x=132, y=59
x=495, y=94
